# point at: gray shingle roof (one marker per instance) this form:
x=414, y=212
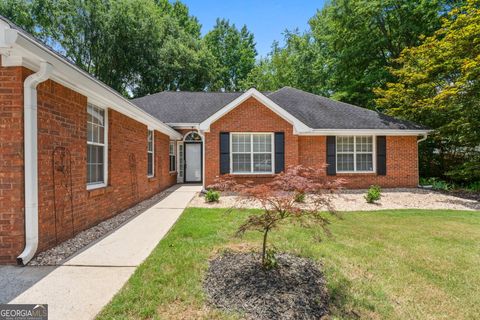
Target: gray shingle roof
x=185, y=107
x=319, y=112
x=315, y=111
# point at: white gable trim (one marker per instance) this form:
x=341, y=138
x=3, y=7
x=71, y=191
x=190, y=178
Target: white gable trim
x=298, y=126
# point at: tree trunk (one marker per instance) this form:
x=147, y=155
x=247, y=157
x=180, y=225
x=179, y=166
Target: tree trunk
x=264, y=246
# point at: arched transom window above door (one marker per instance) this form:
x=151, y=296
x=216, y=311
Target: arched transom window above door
x=192, y=137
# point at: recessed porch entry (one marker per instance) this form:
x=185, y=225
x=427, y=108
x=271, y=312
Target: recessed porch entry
x=190, y=158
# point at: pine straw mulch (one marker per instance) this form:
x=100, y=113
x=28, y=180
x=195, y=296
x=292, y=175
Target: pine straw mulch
x=296, y=289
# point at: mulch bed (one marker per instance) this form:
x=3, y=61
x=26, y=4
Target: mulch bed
x=470, y=195
x=294, y=290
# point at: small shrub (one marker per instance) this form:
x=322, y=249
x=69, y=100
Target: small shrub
x=436, y=183
x=212, y=196
x=300, y=197
x=425, y=181
x=373, y=194
x=474, y=187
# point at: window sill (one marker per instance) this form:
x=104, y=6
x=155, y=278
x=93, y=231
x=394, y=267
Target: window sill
x=152, y=178
x=172, y=172
x=353, y=173
x=98, y=191
x=263, y=175
x=95, y=186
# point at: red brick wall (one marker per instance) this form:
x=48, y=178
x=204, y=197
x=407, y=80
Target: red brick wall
x=62, y=116
x=402, y=163
x=250, y=116
x=11, y=162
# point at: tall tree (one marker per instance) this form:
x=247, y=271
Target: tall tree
x=234, y=51
x=296, y=64
x=20, y=12
x=181, y=14
x=438, y=85
x=349, y=48
x=135, y=46
x=361, y=38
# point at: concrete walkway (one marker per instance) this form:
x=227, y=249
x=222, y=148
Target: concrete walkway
x=80, y=287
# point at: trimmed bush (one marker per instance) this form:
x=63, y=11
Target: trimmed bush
x=212, y=196
x=373, y=194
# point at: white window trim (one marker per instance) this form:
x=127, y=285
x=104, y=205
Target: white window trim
x=153, y=154
x=374, y=154
x=96, y=185
x=190, y=132
x=180, y=164
x=251, y=154
x=172, y=142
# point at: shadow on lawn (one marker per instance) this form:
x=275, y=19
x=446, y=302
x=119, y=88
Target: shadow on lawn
x=340, y=301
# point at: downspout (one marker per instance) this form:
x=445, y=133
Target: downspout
x=424, y=137
x=31, y=161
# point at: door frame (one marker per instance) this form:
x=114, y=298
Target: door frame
x=180, y=164
x=185, y=161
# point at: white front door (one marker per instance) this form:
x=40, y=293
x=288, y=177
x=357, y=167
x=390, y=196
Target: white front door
x=193, y=162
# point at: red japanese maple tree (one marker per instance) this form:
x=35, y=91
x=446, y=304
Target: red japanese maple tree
x=278, y=200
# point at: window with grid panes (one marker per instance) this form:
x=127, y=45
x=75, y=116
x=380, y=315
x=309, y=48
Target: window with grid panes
x=354, y=153
x=96, y=144
x=252, y=152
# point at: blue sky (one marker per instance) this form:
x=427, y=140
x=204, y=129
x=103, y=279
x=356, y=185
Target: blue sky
x=267, y=19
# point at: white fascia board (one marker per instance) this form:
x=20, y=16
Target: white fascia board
x=384, y=132
x=298, y=126
x=7, y=35
x=183, y=125
x=30, y=53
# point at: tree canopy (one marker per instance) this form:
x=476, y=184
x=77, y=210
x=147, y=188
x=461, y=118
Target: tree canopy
x=438, y=85
x=135, y=46
x=349, y=47
x=234, y=51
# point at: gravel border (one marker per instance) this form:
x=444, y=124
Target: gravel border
x=353, y=200
x=296, y=289
x=60, y=253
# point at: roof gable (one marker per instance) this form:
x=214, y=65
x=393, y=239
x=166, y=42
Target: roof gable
x=298, y=126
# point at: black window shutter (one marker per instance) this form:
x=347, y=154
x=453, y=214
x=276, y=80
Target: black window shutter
x=331, y=156
x=381, y=155
x=224, y=152
x=279, y=152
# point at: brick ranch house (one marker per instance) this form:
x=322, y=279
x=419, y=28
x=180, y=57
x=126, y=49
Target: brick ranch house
x=74, y=152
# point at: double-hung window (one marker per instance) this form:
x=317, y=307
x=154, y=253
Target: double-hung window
x=251, y=153
x=96, y=146
x=355, y=154
x=171, y=153
x=150, y=154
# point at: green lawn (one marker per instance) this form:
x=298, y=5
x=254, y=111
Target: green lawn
x=396, y=264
